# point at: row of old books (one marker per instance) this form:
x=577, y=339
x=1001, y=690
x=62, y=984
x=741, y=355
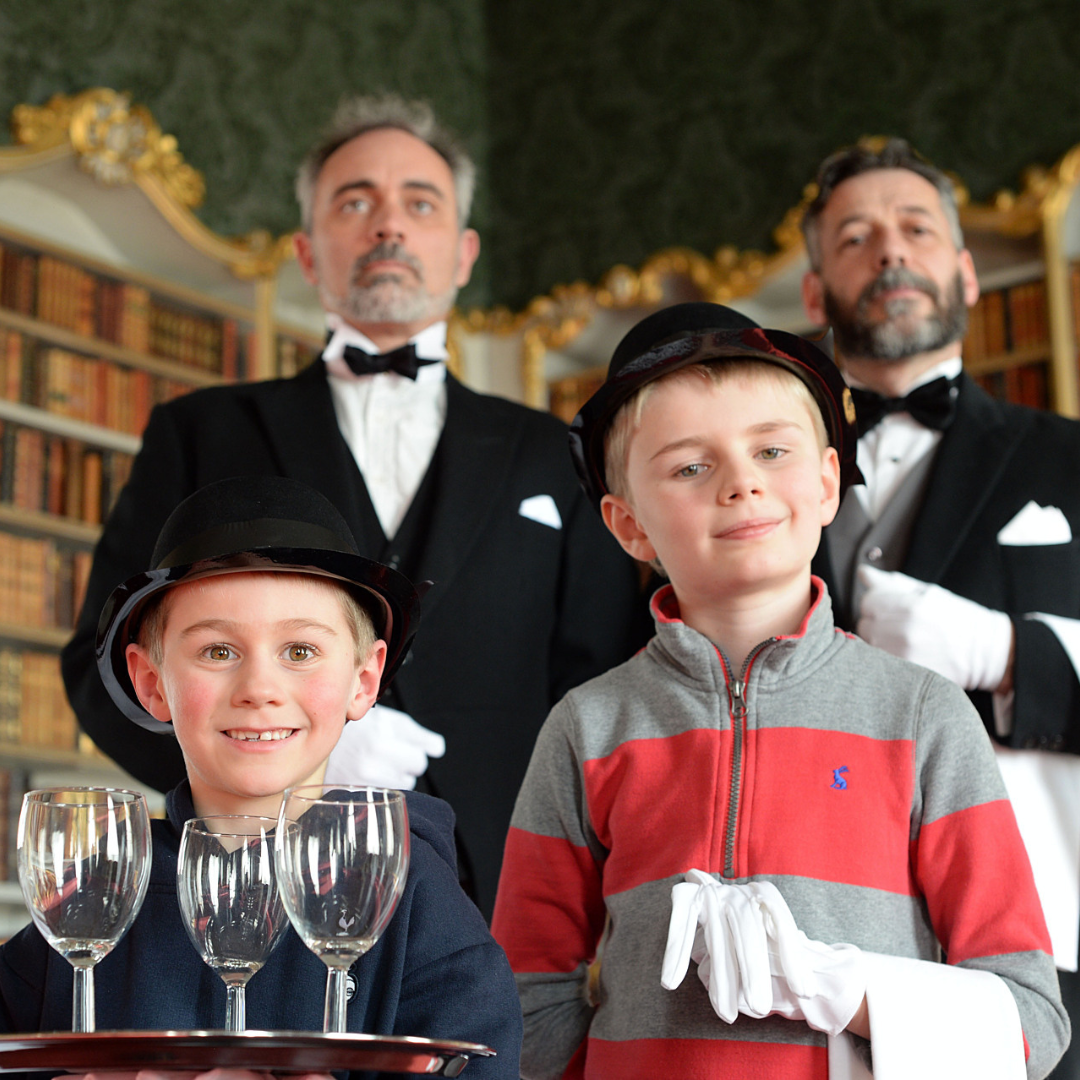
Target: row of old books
x=57, y=475
x=96, y=306
x=200, y=341
x=34, y=710
x=568, y=394
x=80, y=387
x=42, y=585
x=293, y=356
x=1074, y=281
x=1022, y=384
x=1009, y=319
x=14, y=783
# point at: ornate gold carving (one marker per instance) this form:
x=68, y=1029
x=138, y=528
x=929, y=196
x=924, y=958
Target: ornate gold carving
x=115, y=141
x=262, y=253
x=555, y=320
x=41, y=127
x=119, y=143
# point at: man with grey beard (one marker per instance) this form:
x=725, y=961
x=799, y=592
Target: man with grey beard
x=962, y=550
x=530, y=595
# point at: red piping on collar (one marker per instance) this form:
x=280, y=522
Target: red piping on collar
x=664, y=605
x=817, y=591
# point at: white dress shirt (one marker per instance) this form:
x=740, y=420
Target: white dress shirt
x=391, y=423
x=894, y=446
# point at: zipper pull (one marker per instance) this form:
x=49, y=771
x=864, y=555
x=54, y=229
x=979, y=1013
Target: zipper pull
x=738, y=698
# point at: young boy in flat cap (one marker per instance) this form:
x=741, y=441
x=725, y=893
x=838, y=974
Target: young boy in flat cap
x=755, y=786
x=258, y=633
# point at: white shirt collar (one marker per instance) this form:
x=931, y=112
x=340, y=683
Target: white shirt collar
x=948, y=369
x=430, y=344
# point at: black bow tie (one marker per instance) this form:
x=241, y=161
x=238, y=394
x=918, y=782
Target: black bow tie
x=403, y=360
x=933, y=404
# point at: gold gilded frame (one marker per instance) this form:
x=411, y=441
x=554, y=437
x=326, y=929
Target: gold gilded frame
x=555, y=320
x=119, y=143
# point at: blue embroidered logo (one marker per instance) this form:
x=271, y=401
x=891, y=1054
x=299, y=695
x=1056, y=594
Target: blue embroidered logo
x=838, y=780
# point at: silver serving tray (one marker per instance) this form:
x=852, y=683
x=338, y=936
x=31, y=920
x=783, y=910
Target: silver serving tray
x=265, y=1051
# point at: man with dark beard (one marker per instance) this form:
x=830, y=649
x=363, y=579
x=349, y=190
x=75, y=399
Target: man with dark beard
x=531, y=596
x=961, y=551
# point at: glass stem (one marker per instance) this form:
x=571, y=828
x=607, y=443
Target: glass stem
x=82, y=1003
x=235, y=1007
x=336, y=988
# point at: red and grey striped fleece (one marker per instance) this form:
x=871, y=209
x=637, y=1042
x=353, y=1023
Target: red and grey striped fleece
x=863, y=786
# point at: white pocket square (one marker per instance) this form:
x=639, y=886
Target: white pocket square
x=1036, y=525
x=541, y=508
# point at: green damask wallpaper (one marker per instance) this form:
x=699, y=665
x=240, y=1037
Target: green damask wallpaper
x=618, y=129
x=604, y=130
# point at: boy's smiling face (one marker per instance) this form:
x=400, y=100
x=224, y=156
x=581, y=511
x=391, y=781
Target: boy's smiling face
x=728, y=488
x=258, y=675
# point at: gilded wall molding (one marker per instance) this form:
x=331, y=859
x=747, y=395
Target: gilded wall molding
x=554, y=320
x=118, y=143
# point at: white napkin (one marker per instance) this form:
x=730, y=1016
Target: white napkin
x=541, y=508
x=934, y=1022
x=1045, y=793
x=1036, y=525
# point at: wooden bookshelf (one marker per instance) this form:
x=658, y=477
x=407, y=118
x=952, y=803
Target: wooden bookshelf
x=93, y=434
x=294, y=349
x=75, y=393
x=114, y=297
x=104, y=350
x=49, y=637
x=13, y=519
x=130, y=320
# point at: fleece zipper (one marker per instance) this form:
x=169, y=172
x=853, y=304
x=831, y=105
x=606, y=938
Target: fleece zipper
x=736, y=687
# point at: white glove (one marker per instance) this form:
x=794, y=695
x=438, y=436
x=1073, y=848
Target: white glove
x=723, y=928
x=821, y=984
x=957, y=638
x=384, y=748
x=719, y=925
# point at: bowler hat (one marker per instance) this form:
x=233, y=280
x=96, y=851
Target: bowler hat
x=684, y=334
x=246, y=523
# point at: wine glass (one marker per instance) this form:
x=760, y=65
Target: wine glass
x=84, y=865
x=342, y=858
x=227, y=888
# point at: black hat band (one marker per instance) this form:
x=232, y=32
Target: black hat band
x=250, y=536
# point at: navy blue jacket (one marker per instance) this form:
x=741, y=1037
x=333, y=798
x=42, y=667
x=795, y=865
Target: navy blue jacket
x=436, y=972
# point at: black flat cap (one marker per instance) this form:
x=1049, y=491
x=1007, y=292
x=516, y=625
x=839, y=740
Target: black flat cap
x=685, y=334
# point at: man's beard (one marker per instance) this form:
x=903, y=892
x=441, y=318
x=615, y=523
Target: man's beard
x=390, y=296
x=901, y=333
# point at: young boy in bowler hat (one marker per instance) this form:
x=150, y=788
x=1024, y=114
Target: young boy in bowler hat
x=755, y=786
x=257, y=634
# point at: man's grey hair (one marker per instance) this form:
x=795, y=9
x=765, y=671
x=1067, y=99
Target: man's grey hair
x=866, y=156
x=357, y=115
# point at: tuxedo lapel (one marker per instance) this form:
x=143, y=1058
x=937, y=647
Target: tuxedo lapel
x=973, y=453
x=302, y=431
x=474, y=458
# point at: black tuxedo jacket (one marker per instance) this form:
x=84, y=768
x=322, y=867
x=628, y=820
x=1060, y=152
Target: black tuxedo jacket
x=992, y=461
x=519, y=611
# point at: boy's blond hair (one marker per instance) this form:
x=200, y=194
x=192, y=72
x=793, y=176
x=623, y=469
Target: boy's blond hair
x=361, y=628
x=628, y=418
